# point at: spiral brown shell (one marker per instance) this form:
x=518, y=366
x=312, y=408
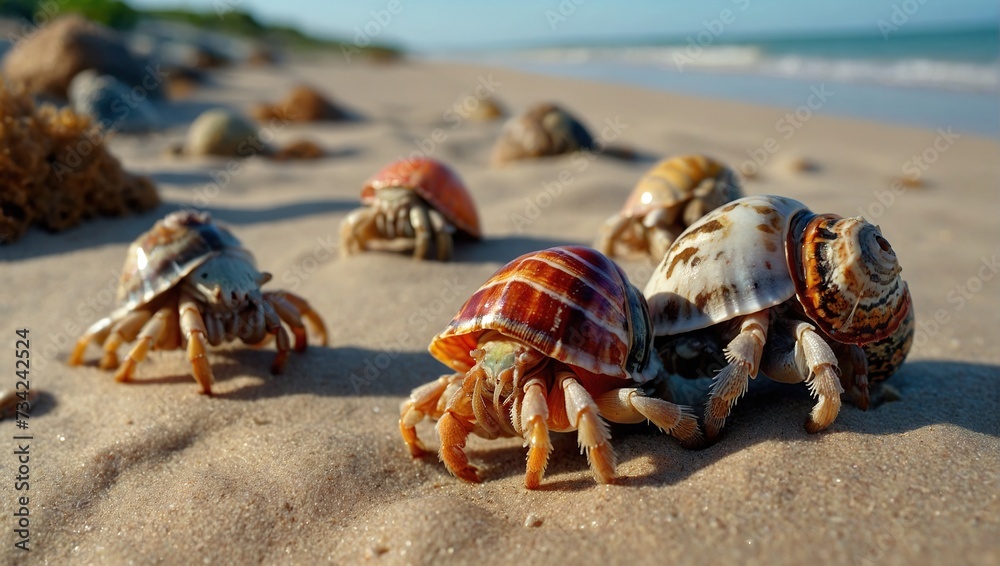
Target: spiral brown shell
x=846, y=277
x=542, y=131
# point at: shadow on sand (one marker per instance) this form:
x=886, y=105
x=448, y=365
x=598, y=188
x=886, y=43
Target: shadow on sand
x=952, y=393
x=37, y=243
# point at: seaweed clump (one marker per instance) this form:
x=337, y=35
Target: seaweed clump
x=302, y=104
x=55, y=170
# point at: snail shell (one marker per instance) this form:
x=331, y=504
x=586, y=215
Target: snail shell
x=570, y=303
x=690, y=186
x=885, y=356
x=543, y=130
x=759, y=251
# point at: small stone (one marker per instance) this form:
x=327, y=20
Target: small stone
x=225, y=133
x=110, y=104
x=533, y=521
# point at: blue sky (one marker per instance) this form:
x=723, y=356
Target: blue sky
x=456, y=24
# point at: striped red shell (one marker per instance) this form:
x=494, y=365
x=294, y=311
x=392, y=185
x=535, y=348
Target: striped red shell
x=436, y=183
x=757, y=252
x=679, y=181
x=174, y=247
x=570, y=303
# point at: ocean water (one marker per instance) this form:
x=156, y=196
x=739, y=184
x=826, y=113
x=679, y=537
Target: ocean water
x=933, y=78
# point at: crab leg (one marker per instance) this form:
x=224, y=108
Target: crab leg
x=273, y=322
x=356, y=229
x=125, y=330
x=813, y=359
x=152, y=332
x=420, y=219
x=98, y=332
x=661, y=232
x=306, y=311
x=534, y=417
x=455, y=426
x=592, y=432
x=631, y=405
x=193, y=327
x=424, y=401
x=611, y=232
x=443, y=235
x=454, y=429
x=291, y=316
x=853, y=374
x=743, y=354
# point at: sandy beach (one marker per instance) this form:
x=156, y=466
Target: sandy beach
x=309, y=467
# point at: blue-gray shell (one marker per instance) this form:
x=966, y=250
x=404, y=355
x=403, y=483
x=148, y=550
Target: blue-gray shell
x=176, y=245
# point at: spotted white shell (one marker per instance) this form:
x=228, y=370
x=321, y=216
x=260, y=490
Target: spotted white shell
x=757, y=252
x=174, y=247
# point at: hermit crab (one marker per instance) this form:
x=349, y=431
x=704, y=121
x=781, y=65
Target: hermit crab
x=415, y=204
x=792, y=293
x=670, y=197
x=543, y=130
x=555, y=340
x=189, y=281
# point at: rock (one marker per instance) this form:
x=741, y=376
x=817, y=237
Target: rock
x=111, y=104
x=544, y=130
x=484, y=110
x=46, y=62
x=303, y=104
x=225, y=133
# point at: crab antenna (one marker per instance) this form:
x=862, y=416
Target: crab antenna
x=850, y=317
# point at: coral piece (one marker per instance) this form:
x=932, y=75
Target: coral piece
x=55, y=170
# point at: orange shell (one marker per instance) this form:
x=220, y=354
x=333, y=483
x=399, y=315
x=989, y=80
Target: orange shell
x=570, y=303
x=436, y=183
x=672, y=183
